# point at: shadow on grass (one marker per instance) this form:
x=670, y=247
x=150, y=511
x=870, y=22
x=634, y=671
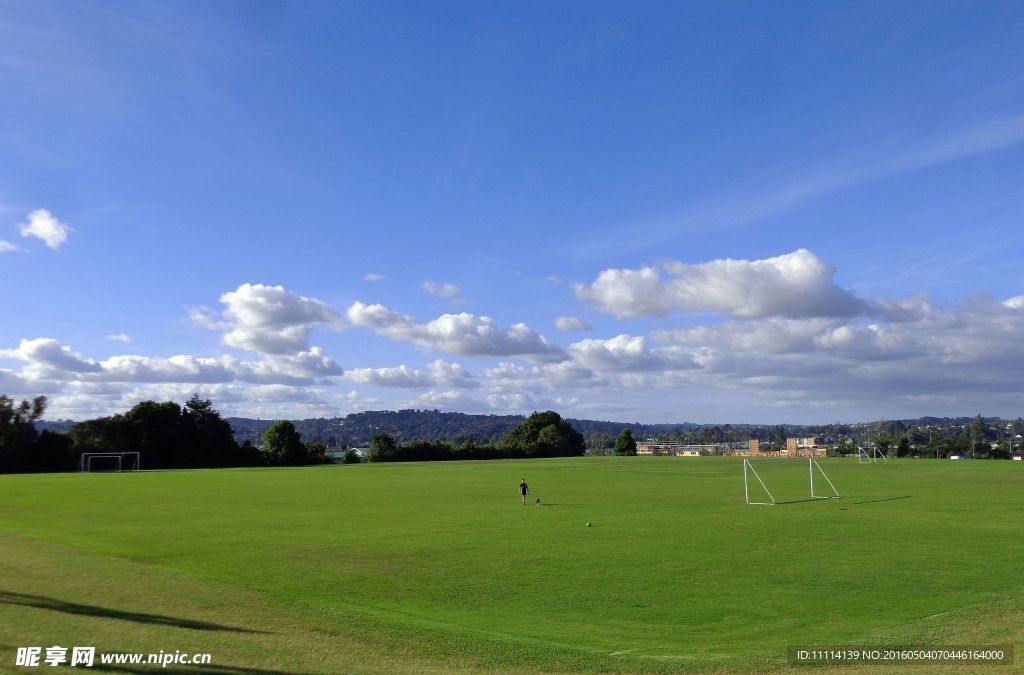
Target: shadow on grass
x=55, y=605
x=887, y=499
x=208, y=669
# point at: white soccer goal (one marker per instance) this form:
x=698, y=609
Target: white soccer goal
x=872, y=456
x=120, y=461
x=750, y=474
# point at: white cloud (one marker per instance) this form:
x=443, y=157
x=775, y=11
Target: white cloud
x=629, y=353
x=267, y=320
x=14, y=384
x=42, y=224
x=438, y=373
x=180, y=368
x=355, y=401
x=119, y=337
x=371, y=277
x=48, y=360
x=1016, y=302
x=7, y=247
x=444, y=291
x=49, y=353
x=462, y=334
x=83, y=400
x=444, y=400
x=568, y=324
x=797, y=284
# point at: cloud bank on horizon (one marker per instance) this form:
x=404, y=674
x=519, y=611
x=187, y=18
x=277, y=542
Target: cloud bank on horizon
x=781, y=335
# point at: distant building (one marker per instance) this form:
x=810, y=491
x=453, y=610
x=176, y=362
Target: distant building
x=650, y=447
x=338, y=456
x=809, y=446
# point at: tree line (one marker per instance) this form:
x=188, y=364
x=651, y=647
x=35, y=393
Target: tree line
x=167, y=436
x=542, y=434
x=195, y=435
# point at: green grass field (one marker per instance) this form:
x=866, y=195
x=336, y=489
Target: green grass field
x=437, y=567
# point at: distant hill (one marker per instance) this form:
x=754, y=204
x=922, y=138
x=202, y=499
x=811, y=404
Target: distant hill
x=54, y=425
x=357, y=429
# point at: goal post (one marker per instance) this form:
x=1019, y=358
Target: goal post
x=122, y=461
x=750, y=474
x=874, y=456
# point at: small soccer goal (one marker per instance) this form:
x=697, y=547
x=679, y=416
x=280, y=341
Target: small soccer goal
x=789, y=480
x=109, y=461
x=871, y=456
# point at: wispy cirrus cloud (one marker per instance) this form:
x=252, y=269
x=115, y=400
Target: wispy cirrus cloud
x=444, y=291
x=742, y=207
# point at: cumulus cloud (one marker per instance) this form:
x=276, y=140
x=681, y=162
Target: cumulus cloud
x=7, y=247
x=82, y=400
x=1016, y=302
x=272, y=320
x=438, y=373
x=49, y=353
x=463, y=334
x=628, y=352
x=444, y=291
x=119, y=337
x=444, y=400
x=567, y=375
x=181, y=368
x=42, y=225
x=48, y=360
x=569, y=324
x=797, y=284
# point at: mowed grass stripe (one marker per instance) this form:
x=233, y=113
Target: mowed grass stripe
x=442, y=559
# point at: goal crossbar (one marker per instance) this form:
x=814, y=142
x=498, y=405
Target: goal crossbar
x=134, y=463
x=812, y=465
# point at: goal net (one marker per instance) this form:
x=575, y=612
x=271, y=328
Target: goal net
x=871, y=456
x=785, y=480
x=109, y=461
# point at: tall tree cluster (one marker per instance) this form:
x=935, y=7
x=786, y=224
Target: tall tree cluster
x=22, y=448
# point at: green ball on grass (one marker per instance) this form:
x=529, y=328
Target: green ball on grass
x=588, y=524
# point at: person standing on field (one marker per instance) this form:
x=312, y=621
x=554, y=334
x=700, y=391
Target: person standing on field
x=523, y=490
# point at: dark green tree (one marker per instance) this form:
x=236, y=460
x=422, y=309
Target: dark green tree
x=625, y=444
x=903, y=449
x=559, y=441
x=282, y=445
x=18, y=432
x=316, y=453
x=154, y=430
x=382, y=447
x=210, y=435
x=978, y=429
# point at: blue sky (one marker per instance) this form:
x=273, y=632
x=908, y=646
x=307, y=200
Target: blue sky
x=709, y=212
